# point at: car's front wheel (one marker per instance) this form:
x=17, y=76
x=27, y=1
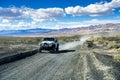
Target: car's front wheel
x=39, y=50
x=57, y=49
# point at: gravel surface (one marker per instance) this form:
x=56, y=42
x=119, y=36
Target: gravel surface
x=72, y=63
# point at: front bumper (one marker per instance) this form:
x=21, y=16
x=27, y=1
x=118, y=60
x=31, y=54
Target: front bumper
x=47, y=47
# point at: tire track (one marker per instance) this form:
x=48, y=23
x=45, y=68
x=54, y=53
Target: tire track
x=80, y=67
x=65, y=71
x=98, y=69
x=48, y=70
x=89, y=67
x=83, y=69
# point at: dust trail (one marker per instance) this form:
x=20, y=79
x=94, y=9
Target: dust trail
x=70, y=45
x=74, y=43
x=83, y=39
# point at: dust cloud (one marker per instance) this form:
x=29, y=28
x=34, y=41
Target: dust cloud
x=73, y=44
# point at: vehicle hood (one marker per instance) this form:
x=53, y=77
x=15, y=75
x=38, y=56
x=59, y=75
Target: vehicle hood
x=49, y=42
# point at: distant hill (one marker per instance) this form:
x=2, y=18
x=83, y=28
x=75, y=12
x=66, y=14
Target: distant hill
x=25, y=32
x=65, y=31
x=93, y=29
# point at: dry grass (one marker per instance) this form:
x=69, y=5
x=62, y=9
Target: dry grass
x=112, y=43
x=117, y=58
x=108, y=45
x=32, y=40
x=14, y=49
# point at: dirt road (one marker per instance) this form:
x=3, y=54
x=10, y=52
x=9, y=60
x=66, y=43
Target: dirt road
x=72, y=62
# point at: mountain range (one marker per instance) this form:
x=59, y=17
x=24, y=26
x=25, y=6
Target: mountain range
x=110, y=27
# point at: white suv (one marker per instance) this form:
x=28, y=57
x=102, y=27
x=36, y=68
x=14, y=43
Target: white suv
x=49, y=43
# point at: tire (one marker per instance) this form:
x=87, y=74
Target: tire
x=57, y=49
x=39, y=50
x=54, y=50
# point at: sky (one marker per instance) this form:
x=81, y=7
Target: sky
x=57, y=14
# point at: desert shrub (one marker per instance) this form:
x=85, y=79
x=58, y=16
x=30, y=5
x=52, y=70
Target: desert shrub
x=112, y=44
x=115, y=50
x=68, y=38
x=37, y=39
x=19, y=40
x=89, y=44
x=108, y=42
x=117, y=58
x=33, y=40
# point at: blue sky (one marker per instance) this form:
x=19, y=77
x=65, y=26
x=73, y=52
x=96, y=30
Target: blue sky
x=55, y=14
x=36, y=4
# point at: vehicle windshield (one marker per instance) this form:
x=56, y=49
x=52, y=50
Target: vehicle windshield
x=48, y=39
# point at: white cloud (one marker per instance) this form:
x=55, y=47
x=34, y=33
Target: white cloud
x=56, y=25
x=46, y=14
x=25, y=18
x=11, y=13
x=83, y=23
x=94, y=9
x=70, y=24
x=5, y=21
x=97, y=21
x=14, y=13
x=16, y=18
x=17, y=26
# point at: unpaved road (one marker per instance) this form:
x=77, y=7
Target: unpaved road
x=70, y=63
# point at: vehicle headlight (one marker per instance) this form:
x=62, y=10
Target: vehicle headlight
x=50, y=44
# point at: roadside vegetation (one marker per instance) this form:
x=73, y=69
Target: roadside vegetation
x=14, y=45
x=111, y=44
x=105, y=42
x=33, y=40
x=18, y=40
x=117, y=58
x=68, y=38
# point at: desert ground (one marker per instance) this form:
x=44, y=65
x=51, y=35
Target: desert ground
x=86, y=59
